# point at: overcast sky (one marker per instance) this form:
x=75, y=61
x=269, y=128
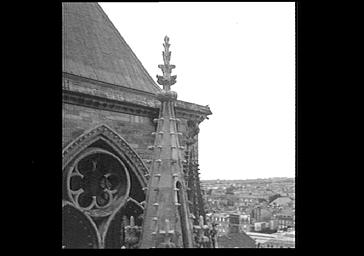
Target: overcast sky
x=238, y=58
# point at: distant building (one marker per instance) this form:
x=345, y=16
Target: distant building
x=261, y=214
x=259, y=226
x=245, y=227
x=245, y=223
x=231, y=222
x=234, y=222
x=285, y=220
x=222, y=219
x=281, y=201
x=234, y=237
x=273, y=224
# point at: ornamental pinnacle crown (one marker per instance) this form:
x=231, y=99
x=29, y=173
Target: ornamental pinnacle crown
x=166, y=80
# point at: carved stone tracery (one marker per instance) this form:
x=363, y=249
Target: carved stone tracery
x=94, y=187
x=103, y=132
x=96, y=181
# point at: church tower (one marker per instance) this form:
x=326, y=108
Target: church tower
x=167, y=220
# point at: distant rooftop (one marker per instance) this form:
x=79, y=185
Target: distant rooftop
x=282, y=200
x=235, y=240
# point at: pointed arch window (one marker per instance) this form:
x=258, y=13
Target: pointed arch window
x=97, y=180
x=102, y=182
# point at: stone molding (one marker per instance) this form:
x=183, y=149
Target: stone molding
x=95, y=94
x=115, y=141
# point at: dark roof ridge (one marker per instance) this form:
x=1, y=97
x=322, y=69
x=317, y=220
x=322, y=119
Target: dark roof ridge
x=127, y=45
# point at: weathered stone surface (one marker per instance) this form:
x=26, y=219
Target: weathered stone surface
x=86, y=86
x=134, y=129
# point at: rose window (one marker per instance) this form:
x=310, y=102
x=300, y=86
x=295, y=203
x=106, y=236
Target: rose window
x=98, y=180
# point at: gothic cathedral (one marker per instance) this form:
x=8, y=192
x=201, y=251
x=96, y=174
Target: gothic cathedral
x=130, y=147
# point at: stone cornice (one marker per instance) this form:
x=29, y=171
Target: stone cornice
x=91, y=101
x=87, y=92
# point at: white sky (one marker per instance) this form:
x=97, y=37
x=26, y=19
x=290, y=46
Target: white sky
x=238, y=58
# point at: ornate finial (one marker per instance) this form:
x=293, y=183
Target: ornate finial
x=166, y=53
x=166, y=80
x=132, y=233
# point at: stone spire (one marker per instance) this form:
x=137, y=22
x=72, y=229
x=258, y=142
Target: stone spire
x=166, y=80
x=167, y=220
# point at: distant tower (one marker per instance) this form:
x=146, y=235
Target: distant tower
x=167, y=221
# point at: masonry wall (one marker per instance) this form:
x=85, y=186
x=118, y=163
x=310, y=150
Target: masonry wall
x=136, y=130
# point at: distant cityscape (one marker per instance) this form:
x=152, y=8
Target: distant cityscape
x=253, y=212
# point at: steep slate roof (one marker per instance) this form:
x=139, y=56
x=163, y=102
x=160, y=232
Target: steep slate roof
x=93, y=48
